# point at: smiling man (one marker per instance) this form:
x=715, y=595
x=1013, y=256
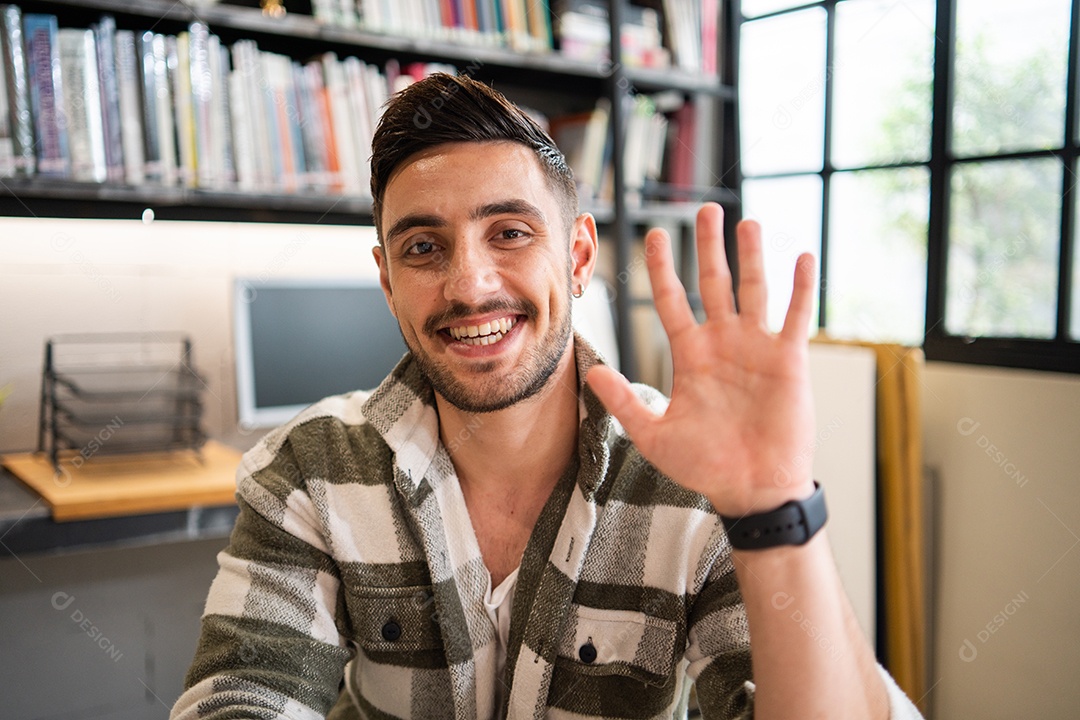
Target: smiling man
x=506, y=528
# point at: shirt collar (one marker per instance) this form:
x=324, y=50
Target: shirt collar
x=402, y=410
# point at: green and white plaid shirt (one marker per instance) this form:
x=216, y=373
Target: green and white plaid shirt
x=353, y=584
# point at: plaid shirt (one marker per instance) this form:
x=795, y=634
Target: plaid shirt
x=353, y=584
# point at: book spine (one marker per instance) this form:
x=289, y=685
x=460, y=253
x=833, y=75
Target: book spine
x=148, y=76
x=342, y=123
x=248, y=63
x=356, y=83
x=268, y=106
x=347, y=13
x=207, y=164
x=309, y=172
x=247, y=174
x=82, y=100
x=104, y=39
x=316, y=81
x=18, y=90
x=221, y=122
x=165, y=123
x=131, y=119
x=710, y=21
x=180, y=79
x=46, y=95
x=7, y=144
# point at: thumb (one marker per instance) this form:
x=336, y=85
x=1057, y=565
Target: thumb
x=619, y=398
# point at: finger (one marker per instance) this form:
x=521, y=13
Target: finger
x=753, y=296
x=622, y=402
x=797, y=321
x=669, y=295
x=714, y=275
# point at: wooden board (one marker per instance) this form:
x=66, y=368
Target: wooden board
x=131, y=484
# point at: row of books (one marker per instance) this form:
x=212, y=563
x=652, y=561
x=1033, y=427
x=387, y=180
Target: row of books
x=521, y=25
x=658, y=145
x=109, y=105
x=655, y=34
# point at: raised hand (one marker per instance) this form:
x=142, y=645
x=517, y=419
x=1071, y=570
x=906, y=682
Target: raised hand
x=741, y=410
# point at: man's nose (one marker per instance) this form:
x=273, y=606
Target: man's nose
x=472, y=274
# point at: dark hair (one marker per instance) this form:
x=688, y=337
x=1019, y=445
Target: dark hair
x=447, y=109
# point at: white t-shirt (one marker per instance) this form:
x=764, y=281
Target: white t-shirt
x=498, y=602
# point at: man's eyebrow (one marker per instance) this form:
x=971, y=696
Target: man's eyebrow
x=415, y=220
x=508, y=207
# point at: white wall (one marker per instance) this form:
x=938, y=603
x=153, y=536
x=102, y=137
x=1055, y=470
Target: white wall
x=69, y=276
x=1004, y=445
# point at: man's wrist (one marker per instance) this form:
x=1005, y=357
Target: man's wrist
x=793, y=522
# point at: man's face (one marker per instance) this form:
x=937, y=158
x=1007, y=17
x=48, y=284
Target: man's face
x=478, y=267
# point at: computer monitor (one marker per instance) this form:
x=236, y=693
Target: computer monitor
x=300, y=340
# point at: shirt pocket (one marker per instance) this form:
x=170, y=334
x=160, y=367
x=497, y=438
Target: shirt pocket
x=619, y=643
x=387, y=622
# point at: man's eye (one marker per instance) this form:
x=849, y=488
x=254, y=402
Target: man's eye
x=421, y=248
x=511, y=234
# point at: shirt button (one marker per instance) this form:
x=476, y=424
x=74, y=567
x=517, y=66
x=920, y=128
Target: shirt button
x=391, y=631
x=587, y=653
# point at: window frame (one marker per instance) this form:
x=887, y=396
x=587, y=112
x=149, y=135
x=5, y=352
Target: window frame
x=1060, y=354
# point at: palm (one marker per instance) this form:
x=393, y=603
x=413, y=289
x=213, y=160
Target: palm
x=739, y=427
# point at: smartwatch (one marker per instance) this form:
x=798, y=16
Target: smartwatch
x=793, y=523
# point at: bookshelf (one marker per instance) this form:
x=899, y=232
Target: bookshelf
x=549, y=80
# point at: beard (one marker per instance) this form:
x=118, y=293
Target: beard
x=490, y=392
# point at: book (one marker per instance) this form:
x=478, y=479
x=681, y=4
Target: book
x=7, y=144
x=166, y=126
x=247, y=63
x=82, y=103
x=682, y=132
x=583, y=137
x=108, y=84
x=313, y=72
x=130, y=101
x=243, y=140
x=21, y=120
x=180, y=71
x=221, y=131
x=342, y=122
x=46, y=95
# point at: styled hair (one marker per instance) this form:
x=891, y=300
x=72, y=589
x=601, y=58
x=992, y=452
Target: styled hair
x=446, y=108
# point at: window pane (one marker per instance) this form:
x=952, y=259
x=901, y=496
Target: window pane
x=1003, y=243
x=789, y=210
x=1010, y=75
x=876, y=279
x=782, y=93
x=883, y=74
x=753, y=8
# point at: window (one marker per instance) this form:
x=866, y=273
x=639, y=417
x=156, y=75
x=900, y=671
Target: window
x=926, y=152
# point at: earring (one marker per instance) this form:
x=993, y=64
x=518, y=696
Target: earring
x=580, y=291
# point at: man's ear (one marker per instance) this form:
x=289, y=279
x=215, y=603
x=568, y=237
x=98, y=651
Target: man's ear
x=384, y=276
x=583, y=249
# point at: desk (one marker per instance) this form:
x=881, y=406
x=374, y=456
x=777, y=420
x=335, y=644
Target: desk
x=116, y=501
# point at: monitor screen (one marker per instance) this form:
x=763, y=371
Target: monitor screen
x=298, y=341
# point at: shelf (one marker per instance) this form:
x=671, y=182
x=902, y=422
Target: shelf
x=159, y=196
x=126, y=383
x=655, y=79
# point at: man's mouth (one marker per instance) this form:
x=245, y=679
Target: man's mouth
x=487, y=333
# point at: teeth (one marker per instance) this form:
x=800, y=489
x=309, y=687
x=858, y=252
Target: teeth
x=487, y=333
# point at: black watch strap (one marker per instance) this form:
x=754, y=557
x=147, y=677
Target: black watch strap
x=793, y=523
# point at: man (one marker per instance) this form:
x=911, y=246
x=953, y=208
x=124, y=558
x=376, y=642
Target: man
x=506, y=527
